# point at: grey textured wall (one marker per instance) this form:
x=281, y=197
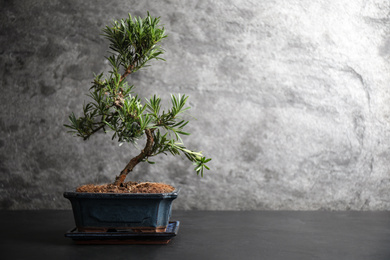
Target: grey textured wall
x=292, y=101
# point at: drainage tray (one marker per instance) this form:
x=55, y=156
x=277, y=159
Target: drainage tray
x=124, y=237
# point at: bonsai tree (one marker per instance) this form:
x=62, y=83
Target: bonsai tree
x=115, y=108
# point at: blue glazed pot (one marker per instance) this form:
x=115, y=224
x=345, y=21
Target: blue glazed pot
x=141, y=212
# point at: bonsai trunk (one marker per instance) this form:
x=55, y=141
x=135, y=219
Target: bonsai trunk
x=146, y=152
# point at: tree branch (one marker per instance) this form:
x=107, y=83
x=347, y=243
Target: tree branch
x=94, y=131
x=128, y=71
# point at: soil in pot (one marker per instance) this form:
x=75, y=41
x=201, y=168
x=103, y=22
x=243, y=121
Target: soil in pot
x=128, y=187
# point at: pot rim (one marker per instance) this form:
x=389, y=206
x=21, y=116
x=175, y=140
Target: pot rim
x=112, y=195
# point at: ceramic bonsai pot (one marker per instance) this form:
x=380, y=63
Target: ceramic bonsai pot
x=139, y=212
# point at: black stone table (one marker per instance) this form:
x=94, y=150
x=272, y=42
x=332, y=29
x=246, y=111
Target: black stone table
x=211, y=235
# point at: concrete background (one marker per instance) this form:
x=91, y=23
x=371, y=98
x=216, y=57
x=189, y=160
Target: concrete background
x=291, y=98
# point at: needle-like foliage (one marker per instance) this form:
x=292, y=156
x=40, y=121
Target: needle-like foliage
x=115, y=108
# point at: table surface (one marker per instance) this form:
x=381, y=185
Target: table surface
x=211, y=235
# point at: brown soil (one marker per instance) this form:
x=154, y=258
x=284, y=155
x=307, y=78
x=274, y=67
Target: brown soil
x=128, y=187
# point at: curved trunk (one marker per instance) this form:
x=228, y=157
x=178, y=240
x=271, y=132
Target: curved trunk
x=146, y=152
